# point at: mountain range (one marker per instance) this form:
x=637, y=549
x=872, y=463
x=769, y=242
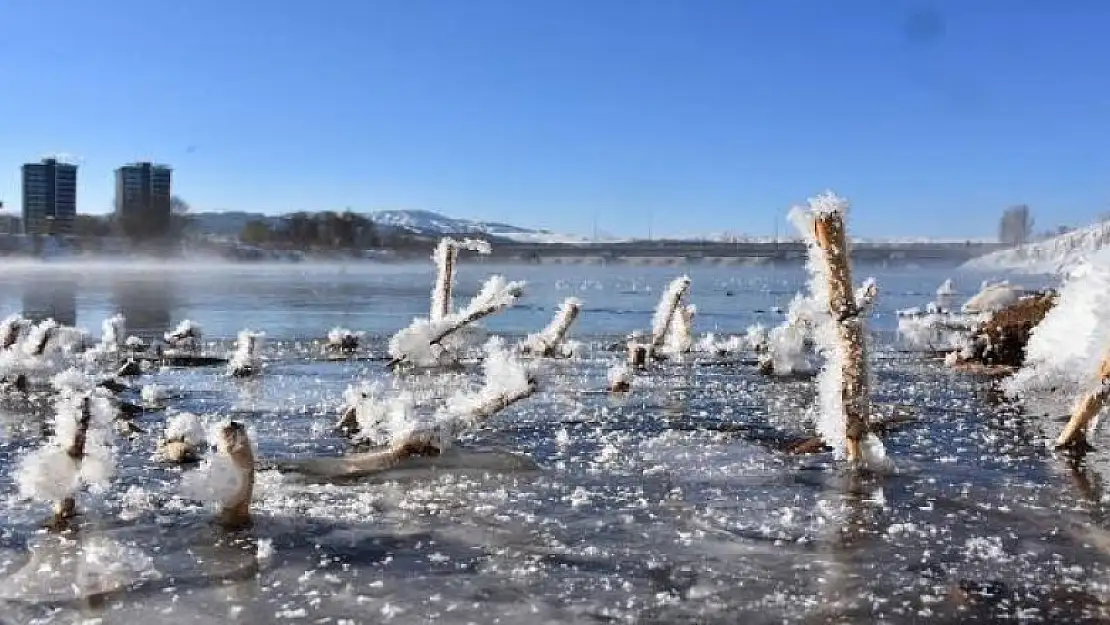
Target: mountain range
x=420, y=222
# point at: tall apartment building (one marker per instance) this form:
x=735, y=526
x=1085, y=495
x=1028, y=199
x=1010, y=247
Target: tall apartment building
x=49, y=197
x=143, y=200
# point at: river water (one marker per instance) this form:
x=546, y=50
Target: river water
x=668, y=505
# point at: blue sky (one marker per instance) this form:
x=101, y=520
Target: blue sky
x=693, y=116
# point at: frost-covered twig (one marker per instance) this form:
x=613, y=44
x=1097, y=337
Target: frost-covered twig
x=786, y=349
x=946, y=296
x=665, y=311
x=343, y=340
x=446, y=256
x=866, y=295
x=12, y=329
x=185, y=336
x=112, y=333
x=680, y=335
x=843, y=386
x=246, y=360
x=546, y=342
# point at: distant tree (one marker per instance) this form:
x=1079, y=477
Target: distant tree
x=92, y=225
x=1016, y=226
x=256, y=232
x=179, y=206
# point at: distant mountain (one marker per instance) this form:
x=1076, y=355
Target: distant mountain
x=1057, y=254
x=421, y=222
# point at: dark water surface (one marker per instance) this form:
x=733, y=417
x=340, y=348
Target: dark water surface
x=669, y=505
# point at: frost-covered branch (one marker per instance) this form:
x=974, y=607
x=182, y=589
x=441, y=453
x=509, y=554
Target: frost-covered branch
x=866, y=295
x=396, y=423
x=680, y=334
x=666, y=309
x=546, y=342
x=424, y=343
x=843, y=383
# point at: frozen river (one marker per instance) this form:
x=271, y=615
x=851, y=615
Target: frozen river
x=668, y=505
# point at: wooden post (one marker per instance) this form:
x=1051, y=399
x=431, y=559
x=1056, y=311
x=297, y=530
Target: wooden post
x=235, y=443
x=1075, y=432
x=830, y=235
x=445, y=279
x=637, y=355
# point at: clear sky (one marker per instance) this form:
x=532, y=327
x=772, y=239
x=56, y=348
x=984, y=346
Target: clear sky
x=694, y=116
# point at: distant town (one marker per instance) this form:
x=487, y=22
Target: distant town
x=148, y=218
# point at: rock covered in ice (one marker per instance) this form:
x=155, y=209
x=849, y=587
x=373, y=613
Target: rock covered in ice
x=994, y=296
x=1065, y=350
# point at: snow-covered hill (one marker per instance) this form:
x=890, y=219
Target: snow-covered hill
x=428, y=223
x=1054, y=255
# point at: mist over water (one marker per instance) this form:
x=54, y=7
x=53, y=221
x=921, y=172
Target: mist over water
x=669, y=505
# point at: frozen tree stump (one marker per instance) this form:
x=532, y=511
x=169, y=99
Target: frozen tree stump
x=829, y=233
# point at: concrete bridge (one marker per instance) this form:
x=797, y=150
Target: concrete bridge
x=679, y=252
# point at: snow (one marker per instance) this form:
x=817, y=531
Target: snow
x=187, y=427
x=431, y=223
x=1066, y=349
x=1057, y=255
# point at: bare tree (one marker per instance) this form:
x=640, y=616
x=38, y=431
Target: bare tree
x=1016, y=226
